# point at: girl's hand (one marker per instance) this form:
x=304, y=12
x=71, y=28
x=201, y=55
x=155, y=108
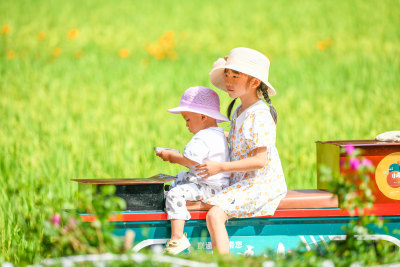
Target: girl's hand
x=208, y=168
x=165, y=154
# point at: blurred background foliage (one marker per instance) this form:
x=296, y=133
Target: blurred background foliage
x=85, y=86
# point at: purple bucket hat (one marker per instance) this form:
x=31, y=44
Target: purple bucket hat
x=201, y=100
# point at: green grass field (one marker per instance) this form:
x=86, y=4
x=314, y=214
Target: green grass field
x=81, y=96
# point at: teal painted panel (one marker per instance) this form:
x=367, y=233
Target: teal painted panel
x=254, y=236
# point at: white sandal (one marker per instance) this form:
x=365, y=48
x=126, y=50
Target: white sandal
x=175, y=247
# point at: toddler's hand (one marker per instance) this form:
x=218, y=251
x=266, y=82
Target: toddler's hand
x=165, y=154
x=207, y=169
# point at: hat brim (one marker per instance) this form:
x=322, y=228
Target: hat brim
x=210, y=113
x=217, y=76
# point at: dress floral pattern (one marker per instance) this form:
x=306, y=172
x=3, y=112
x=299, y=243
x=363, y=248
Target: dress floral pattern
x=252, y=193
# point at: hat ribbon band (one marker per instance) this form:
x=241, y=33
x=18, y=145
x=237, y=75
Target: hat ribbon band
x=190, y=104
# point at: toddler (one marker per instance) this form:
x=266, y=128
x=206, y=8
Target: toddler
x=199, y=106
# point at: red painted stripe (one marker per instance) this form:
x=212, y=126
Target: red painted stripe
x=378, y=210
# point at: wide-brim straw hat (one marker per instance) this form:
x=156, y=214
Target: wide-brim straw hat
x=200, y=100
x=245, y=60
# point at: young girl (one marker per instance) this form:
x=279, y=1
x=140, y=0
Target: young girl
x=257, y=183
x=199, y=107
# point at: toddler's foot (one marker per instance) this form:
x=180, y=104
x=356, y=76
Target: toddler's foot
x=174, y=247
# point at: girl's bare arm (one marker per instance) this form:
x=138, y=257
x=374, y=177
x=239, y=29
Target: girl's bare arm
x=253, y=162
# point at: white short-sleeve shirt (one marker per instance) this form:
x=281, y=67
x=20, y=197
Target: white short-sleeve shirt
x=209, y=145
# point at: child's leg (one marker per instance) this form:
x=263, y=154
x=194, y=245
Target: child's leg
x=176, y=206
x=177, y=227
x=216, y=219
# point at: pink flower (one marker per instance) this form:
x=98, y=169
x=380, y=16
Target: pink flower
x=366, y=162
x=56, y=219
x=349, y=149
x=355, y=163
x=71, y=223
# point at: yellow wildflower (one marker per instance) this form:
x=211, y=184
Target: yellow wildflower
x=41, y=36
x=6, y=29
x=73, y=33
x=11, y=54
x=328, y=42
x=124, y=53
x=78, y=54
x=167, y=37
x=155, y=51
x=56, y=52
x=321, y=45
x=164, y=47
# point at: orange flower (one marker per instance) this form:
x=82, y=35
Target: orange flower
x=321, y=45
x=155, y=51
x=73, y=33
x=41, y=36
x=6, y=29
x=167, y=39
x=328, y=42
x=238, y=186
x=56, y=52
x=164, y=47
x=124, y=53
x=11, y=54
x=78, y=54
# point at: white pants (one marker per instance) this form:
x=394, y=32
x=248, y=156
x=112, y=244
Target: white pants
x=185, y=188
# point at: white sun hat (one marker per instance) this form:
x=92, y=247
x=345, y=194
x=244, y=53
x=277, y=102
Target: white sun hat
x=245, y=60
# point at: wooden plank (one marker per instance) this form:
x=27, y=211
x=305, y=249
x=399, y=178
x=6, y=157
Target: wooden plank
x=156, y=179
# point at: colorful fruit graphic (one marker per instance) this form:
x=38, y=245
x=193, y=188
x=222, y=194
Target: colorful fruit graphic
x=393, y=179
x=387, y=176
x=394, y=167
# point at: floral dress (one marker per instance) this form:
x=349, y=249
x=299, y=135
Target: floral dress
x=258, y=192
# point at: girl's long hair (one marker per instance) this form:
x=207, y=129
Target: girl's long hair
x=264, y=89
